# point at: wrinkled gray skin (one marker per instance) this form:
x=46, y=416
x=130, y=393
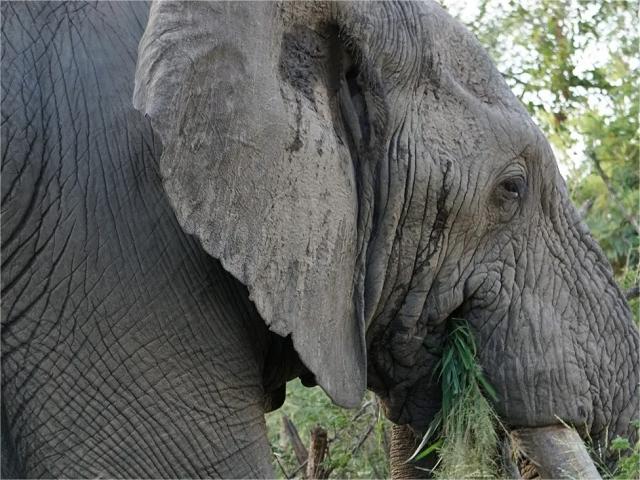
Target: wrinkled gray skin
x=348, y=175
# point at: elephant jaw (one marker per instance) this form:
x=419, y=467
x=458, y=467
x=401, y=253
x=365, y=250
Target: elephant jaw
x=555, y=451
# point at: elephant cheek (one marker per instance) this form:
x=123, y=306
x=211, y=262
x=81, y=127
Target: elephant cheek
x=414, y=405
x=534, y=362
x=414, y=396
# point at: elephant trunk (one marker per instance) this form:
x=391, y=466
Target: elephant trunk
x=556, y=452
x=403, y=443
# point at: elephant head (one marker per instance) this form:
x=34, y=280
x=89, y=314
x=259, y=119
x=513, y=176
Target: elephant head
x=366, y=172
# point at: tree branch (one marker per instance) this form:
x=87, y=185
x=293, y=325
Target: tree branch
x=284, y=472
x=318, y=448
x=296, y=441
x=633, y=292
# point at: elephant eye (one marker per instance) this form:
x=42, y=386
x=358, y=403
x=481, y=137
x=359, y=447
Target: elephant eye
x=508, y=195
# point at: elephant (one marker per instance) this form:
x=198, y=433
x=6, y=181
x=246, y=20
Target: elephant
x=204, y=200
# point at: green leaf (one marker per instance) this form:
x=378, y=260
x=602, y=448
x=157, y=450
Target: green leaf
x=619, y=444
x=488, y=389
x=467, y=441
x=431, y=448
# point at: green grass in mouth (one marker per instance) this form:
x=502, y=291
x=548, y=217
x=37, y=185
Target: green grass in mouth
x=464, y=431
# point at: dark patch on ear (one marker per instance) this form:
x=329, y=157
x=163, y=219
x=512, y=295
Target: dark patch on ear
x=299, y=60
x=354, y=108
x=297, y=141
x=330, y=58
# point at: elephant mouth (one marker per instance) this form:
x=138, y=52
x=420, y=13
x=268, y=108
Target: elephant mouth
x=546, y=450
x=555, y=450
x=550, y=451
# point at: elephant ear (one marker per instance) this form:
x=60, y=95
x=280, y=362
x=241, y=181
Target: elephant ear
x=254, y=168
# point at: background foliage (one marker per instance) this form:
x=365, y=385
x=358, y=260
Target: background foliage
x=358, y=439
x=574, y=64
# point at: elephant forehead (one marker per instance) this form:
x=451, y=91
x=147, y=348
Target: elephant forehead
x=453, y=54
x=454, y=125
x=475, y=104
x=411, y=43
x=426, y=58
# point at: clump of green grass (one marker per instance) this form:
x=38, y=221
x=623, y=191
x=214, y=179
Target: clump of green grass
x=470, y=442
x=627, y=465
x=628, y=457
x=464, y=431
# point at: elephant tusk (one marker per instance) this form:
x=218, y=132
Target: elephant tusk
x=509, y=460
x=556, y=451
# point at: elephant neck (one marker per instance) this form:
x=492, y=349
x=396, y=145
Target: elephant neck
x=140, y=390
x=126, y=350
